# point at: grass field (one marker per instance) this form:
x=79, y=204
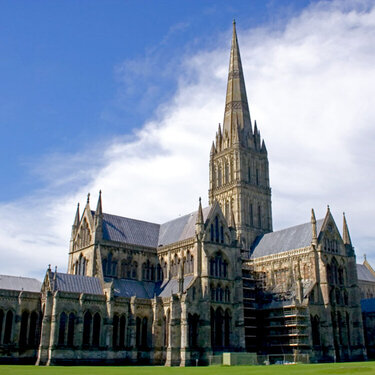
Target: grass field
x=330, y=368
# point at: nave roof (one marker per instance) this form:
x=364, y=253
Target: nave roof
x=66, y=282
x=143, y=233
x=364, y=274
x=20, y=283
x=291, y=238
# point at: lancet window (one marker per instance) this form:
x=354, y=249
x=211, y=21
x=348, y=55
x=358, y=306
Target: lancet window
x=119, y=337
x=109, y=266
x=141, y=333
x=80, y=266
x=148, y=271
x=66, y=329
x=218, y=266
x=91, y=329
x=220, y=328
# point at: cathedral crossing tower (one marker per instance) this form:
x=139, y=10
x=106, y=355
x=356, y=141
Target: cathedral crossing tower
x=239, y=175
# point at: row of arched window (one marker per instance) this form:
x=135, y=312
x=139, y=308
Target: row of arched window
x=92, y=325
x=336, y=274
x=109, y=266
x=250, y=177
x=331, y=245
x=84, y=236
x=222, y=177
x=66, y=329
x=188, y=264
x=6, y=326
x=220, y=328
x=219, y=294
x=29, y=328
x=150, y=272
x=341, y=328
x=217, y=231
x=80, y=266
x=339, y=296
x=119, y=337
x=218, y=266
x=193, y=329
x=255, y=220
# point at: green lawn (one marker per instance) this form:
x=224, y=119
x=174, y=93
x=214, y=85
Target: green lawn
x=331, y=368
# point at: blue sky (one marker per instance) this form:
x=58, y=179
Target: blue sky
x=61, y=88
x=125, y=96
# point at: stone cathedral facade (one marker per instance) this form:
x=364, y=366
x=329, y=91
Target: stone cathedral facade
x=216, y=280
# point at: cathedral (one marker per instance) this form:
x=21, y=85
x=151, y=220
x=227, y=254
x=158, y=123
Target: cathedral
x=217, y=280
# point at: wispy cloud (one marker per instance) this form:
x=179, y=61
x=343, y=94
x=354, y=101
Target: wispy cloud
x=311, y=88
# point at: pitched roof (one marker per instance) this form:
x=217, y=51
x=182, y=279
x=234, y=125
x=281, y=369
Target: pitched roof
x=66, y=282
x=146, y=289
x=364, y=274
x=368, y=305
x=287, y=239
x=143, y=233
x=19, y=283
x=130, y=288
x=135, y=232
x=169, y=287
x=181, y=228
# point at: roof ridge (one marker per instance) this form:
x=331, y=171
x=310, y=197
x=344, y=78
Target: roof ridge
x=293, y=226
x=20, y=277
x=189, y=214
x=130, y=218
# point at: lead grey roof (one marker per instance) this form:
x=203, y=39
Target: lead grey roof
x=130, y=288
x=364, y=274
x=146, y=289
x=181, y=228
x=368, y=305
x=143, y=233
x=20, y=283
x=136, y=232
x=169, y=287
x=66, y=282
x=287, y=239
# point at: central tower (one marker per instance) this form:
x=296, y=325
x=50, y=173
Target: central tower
x=239, y=175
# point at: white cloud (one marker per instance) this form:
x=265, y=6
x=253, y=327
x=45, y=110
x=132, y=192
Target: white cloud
x=311, y=88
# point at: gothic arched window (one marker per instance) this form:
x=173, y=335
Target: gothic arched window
x=8, y=329
x=1, y=323
x=115, y=325
x=87, y=320
x=62, y=327
x=71, y=325
x=96, y=330
x=259, y=217
x=122, y=335
x=24, y=328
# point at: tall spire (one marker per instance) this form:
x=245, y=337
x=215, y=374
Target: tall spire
x=236, y=106
x=345, y=232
